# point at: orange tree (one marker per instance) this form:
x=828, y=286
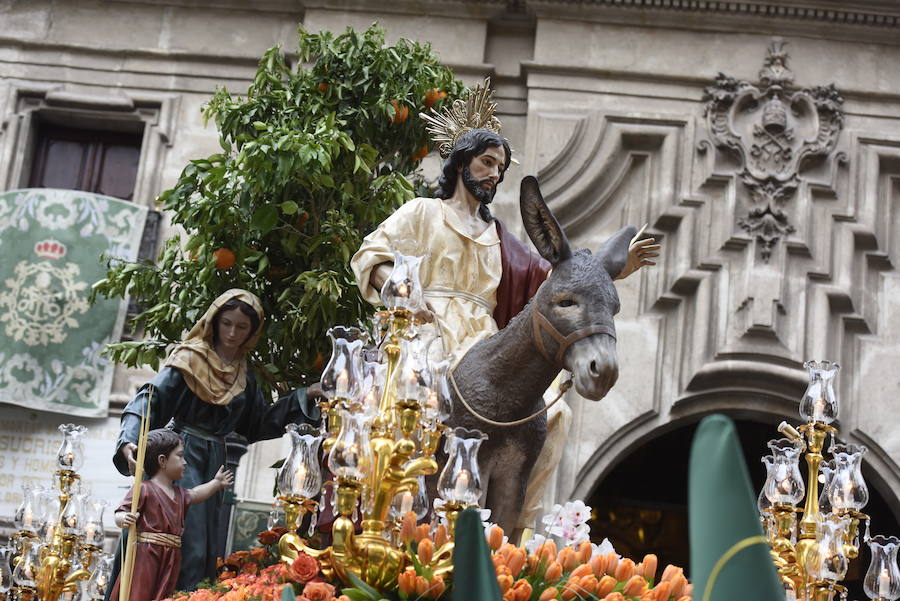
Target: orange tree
x=313, y=158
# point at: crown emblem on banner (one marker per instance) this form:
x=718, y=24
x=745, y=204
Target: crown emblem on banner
x=50, y=249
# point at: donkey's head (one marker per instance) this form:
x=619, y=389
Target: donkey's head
x=572, y=312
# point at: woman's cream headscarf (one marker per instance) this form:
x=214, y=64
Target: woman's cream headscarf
x=210, y=378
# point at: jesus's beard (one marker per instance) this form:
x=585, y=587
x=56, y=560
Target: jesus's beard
x=482, y=195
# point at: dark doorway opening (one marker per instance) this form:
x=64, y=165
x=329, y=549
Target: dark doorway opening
x=641, y=504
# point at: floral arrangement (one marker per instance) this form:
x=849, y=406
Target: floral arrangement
x=560, y=564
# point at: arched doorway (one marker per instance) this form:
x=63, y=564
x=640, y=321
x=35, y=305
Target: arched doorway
x=640, y=504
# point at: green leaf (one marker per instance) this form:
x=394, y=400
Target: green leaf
x=289, y=207
x=259, y=126
x=357, y=595
x=265, y=218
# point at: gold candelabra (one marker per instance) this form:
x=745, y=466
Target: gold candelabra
x=812, y=554
x=59, y=535
x=382, y=427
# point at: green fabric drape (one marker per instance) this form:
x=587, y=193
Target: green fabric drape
x=474, y=578
x=722, y=514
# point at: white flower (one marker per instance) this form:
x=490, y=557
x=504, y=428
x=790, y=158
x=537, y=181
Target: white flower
x=568, y=522
x=571, y=534
x=604, y=548
x=534, y=542
x=577, y=512
x=556, y=516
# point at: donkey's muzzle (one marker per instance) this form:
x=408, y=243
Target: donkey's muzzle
x=594, y=365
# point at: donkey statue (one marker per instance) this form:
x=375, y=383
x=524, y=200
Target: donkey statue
x=567, y=325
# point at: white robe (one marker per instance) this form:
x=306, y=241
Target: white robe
x=459, y=277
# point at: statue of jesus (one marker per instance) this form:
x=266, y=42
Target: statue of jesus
x=476, y=275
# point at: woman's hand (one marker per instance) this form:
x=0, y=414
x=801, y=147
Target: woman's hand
x=127, y=452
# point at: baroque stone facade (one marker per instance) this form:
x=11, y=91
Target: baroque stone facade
x=773, y=193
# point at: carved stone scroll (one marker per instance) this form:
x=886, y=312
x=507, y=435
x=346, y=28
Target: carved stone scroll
x=774, y=130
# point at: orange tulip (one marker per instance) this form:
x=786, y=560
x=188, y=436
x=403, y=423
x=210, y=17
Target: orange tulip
x=495, y=539
x=606, y=586
x=670, y=572
x=440, y=536
x=568, y=558
x=516, y=561
x=553, y=573
x=421, y=585
x=506, y=550
x=549, y=594
x=612, y=563
x=509, y=595
x=505, y=581
x=624, y=570
x=425, y=551
x=648, y=566
x=422, y=532
x=570, y=591
x=679, y=582
x=614, y=597
x=688, y=589
x=635, y=586
x=662, y=591
x=546, y=551
x=407, y=581
x=582, y=570
x=685, y=598
x=584, y=552
x=522, y=589
x=408, y=527
x=436, y=587
x=597, y=564
x=588, y=584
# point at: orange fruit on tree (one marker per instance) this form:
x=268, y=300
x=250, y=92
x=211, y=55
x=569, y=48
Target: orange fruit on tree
x=225, y=258
x=319, y=362
x=421, y=153
x=401, y=112
x=432, y=96
x=323, y=87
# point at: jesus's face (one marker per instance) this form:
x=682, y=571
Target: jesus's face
x=481, y=175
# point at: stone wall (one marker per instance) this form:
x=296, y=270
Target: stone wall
x=604, y=101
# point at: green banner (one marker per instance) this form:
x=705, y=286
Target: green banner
x=50, y=336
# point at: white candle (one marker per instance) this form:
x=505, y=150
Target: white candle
x=406, y=503
x=432, y=401
x=299, y=476
x=89, y=532
x=462, y=485
x=819, y=410
x=342, y=384
x=402, y=290
x=884, y=583
x=28, y=519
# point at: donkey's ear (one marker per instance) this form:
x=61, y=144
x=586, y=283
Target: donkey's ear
x=614, y=252
x=542, y=227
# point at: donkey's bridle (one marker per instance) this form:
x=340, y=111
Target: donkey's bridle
x=541, y=324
